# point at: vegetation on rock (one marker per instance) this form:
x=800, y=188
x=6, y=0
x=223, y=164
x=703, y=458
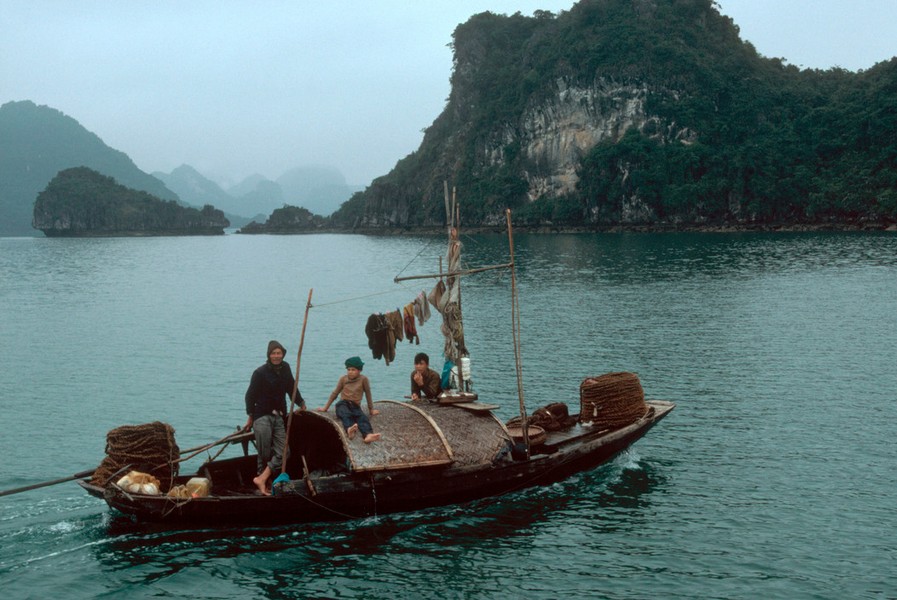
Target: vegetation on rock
x=289, y=219
x=82, y=202
x=36, y=143
x=681, y=122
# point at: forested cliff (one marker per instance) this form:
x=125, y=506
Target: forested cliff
x=36, y=142
x=642, y=112
x=83, y=202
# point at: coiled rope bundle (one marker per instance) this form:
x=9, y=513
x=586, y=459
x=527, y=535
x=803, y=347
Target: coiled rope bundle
x=453, y=330
x=551, y=417
x=612, y=400
x=149, y=448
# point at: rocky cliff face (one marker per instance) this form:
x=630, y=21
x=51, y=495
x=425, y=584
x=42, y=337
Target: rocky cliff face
x=641, y=113
x=506, y=143
x=551, y=137
x=555, y=134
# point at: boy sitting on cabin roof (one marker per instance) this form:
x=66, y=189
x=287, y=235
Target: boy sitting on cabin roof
x=425, y=382
x=353, y=385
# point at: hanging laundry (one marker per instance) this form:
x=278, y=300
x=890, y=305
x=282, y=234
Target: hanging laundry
x=396, y=324
x=390, y=354
x=394, y=332
x=422, y=308
x=377, y=330
x=410, y=329
x=435, y=296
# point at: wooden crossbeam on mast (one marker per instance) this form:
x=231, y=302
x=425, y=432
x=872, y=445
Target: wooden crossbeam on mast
x=453, y=273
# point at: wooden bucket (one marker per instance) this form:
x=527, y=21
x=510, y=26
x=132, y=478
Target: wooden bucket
x=536, y=434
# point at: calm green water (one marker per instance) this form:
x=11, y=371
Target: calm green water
x=775, y=476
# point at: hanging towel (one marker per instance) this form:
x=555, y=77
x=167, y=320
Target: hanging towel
x=422, y=308
x=447, y=374
x=393, y=333
x=435, y=296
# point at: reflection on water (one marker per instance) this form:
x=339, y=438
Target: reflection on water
x=638, y=258
x=624, y=483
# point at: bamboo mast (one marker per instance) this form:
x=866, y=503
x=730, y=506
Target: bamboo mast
x=452, y=275
x=462, y=347
x=286, y=441
x=515, y=328
x=448, y=212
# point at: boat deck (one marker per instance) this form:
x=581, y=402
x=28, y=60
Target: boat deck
x=556, y=439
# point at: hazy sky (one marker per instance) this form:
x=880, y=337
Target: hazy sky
x=236, y=88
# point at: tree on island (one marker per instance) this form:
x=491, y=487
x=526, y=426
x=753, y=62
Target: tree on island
x=83, y=202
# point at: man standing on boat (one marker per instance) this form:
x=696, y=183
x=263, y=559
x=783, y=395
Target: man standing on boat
x=271, y=384
x=425, y=382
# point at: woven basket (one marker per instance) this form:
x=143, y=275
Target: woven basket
x=150, y=448
x=612, y=400
x=536, y=434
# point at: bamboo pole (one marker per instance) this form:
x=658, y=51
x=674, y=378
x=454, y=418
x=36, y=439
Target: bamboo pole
x=440, y=275
x=515, y=328
x=35, y=486
x=286, y=446
x=228, y=439
x=462, y=345
x=448, y=214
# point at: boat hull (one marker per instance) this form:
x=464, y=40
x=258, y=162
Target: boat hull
x=357, y=495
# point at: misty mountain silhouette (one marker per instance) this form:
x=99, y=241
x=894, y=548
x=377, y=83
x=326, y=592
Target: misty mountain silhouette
x=36, y=143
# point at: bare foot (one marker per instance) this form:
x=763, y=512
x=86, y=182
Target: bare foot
x=261, y=485
x=371, y=437
x=352, y=431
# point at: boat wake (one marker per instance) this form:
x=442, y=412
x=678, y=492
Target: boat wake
x=628, y=460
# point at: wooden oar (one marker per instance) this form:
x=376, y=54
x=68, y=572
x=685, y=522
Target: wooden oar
x=234, y=437
x=34, y=486
x=283, y=466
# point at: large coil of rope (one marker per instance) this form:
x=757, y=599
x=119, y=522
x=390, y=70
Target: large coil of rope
x=148, y=448
x=612, y=400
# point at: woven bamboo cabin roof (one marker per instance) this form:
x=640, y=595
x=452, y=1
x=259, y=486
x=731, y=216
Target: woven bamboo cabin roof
x=413, y=434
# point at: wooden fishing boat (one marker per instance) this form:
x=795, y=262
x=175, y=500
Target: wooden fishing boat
x=431, y=454
x=446, y=450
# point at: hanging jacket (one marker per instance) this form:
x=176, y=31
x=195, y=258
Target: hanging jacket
x=377, y=331
x=393, y=333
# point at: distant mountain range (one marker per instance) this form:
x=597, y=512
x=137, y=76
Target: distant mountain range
x=319, y=189
x=37, y=142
